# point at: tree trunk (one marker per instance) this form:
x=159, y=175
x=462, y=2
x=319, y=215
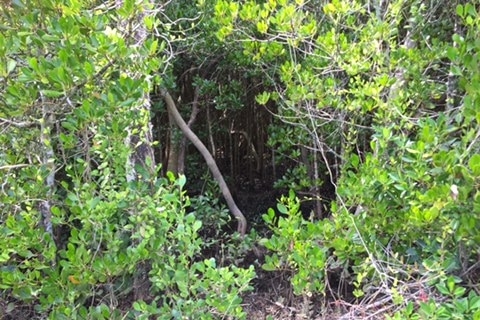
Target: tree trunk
x=183, y=145
x=210, y=133
x=48, y=160
x=139, y=140
x=173, y=147
x=452, y=80
x=212, y=165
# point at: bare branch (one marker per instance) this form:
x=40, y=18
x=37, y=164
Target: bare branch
x=24, y=124
x=14, y=166
x=212, y=165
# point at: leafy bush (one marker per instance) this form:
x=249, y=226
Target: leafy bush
x=297, y=247
x=364, y=92
x=106, y=245
x=451, y=303
x=83, y=228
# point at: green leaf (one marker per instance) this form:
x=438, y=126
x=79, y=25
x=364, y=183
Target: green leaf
x=269, y=217
x=50, y=38
x=271, y=263
x=459, y=292
x=52, y=93
x=263, y=98
x=358, y=293
x=262, y=27
x=355, y=160
x=136, y=306
x=197, y=225
x=459, y=10
x=470, y=9
x=329, y=8
x=442, y=288
x=10, y=307
x=89, y=68
x=171, y=176
x=153, y=47
x=281, y=208
x=18, y=3
x=458, y=39
x=33, y=63
x=431, y=214
x=452, y=53
x=149, y=21
x=474, y=164
x=11, y=65
x=181, y=180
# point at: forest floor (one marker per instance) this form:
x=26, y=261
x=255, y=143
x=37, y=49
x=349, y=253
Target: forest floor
x=272, y=297
x=280, y=303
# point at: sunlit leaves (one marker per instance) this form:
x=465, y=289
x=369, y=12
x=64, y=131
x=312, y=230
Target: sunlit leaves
x=474, y=164
x=225, y=14
x=400, y=170
x=293, y=244
x=262, y=27
x=329, y=8
x=75, y=64
x=249, y=11
x=263, y=98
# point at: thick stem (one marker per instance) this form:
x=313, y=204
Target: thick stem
x=212, y=165
x=250, y=146
x=173, y=148
x=210, y=132
x=452, y=80
x=49, y=163
x=139, y=140
x=183, y=145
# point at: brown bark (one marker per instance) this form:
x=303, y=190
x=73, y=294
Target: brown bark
x=250, y=147
x=212, y=165
x=49, y=163
x=210, y=133
x=173, y=147
x=183, y=144
x=142, y=154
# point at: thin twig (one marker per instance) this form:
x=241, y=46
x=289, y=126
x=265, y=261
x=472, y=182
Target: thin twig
x=14, y=166
x=24, y=124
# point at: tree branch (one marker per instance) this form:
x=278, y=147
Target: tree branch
x=23, y=124
x=212, y=165
x=14, y=166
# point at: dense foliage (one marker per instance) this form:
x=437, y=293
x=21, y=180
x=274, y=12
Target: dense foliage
x=364, y=114
x=385, y=95
x=71, y=84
